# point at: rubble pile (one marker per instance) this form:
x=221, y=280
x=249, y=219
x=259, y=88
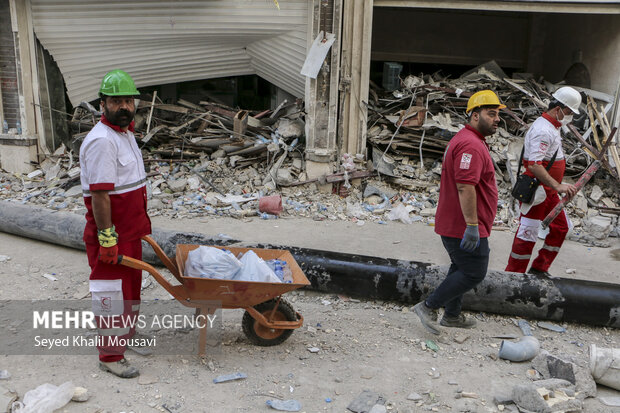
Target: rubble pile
x=409, y=129
x=188, y=131
x=208, y=159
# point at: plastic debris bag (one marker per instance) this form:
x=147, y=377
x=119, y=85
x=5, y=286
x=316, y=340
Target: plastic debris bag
x=256, y=269
x=210, y=262
x=400, y=212
x=45, y=399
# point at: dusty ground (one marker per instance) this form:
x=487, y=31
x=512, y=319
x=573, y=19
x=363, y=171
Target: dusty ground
x=363, y=345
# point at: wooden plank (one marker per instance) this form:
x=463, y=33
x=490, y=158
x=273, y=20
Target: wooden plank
x=190, y=105
x=152, y=133
x=526, y=92
x=148, y=121
x=592, y=123
x=189, y=122
x=172, y=108
x=614, y=154
x=218, y=109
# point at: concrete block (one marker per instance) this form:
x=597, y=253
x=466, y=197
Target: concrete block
x=546, y=396
x=16, y=153
x=577, y=372
x=596, y=194
x=177, y=185
x=316, y=170
x=598, y=226
x=291, y=128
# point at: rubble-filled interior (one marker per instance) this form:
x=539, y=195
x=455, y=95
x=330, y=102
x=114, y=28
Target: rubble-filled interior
x=208, y=158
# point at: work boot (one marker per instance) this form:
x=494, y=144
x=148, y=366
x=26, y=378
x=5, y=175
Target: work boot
x=534, y=271
x=120, y=368
x=428, y=317
x=459, y=322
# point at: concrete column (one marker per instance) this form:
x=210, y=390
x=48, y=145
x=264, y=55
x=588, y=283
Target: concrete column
x=355, y=75
x=322, y=93
x=28, y=79
x=17, y=151
x=536, y=44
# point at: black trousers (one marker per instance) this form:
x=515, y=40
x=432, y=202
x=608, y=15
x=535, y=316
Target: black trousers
x=467, y=270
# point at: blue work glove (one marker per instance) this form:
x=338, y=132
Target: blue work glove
x=471, y=238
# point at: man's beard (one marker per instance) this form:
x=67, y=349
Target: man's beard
x=120, y=118
x=487, y=129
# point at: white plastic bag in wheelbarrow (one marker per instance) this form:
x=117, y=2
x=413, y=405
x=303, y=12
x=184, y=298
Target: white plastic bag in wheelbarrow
x=256, y=269
x=209, y=262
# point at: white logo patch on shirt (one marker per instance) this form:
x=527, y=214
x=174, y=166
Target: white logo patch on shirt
x=465, y=161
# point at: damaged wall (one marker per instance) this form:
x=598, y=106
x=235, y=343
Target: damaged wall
x=449, y=36
x=9, y=96
x=167, y=42
x=598, y=39
x=544, y=43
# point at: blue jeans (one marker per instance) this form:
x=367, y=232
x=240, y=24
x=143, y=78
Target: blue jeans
x=467, y=270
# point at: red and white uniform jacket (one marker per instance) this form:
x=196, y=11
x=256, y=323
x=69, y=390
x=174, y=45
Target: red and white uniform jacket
x=110, y=160
x=541, y=141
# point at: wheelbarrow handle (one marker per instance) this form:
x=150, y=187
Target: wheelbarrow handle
x=141, y=265
x=164, y=258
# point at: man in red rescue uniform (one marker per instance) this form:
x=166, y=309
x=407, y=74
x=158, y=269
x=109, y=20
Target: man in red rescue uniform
x=465, y=213
x=542, y=141
x=114, y=186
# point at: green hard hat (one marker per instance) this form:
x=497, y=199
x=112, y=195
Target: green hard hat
x=118, y=83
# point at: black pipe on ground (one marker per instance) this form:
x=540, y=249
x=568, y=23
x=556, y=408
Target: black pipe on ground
x=557, y=299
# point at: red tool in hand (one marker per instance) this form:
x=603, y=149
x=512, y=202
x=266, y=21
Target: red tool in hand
x=587, y=175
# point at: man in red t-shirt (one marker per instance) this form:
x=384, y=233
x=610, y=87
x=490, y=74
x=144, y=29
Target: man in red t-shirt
x=465, y=213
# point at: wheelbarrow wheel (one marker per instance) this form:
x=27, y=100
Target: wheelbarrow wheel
x=264, y=336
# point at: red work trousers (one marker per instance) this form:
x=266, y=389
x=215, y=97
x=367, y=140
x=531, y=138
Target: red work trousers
x=117, y=288
x=527, y=234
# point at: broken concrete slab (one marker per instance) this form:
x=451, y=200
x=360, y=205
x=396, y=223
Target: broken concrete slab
x=177, y=185
x=291, y=128
x=378, y=408
x=576, y=372
x=545, y=396
x=596, y=193
x=598, y=226
x=365, y=402
x=74, y=191
x=610, y=401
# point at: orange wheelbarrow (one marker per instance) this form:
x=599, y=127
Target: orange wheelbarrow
x=268, y=319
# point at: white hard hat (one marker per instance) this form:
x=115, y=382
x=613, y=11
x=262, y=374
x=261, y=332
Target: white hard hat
x=568, y=97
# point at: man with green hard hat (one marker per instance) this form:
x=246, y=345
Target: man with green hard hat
x=114, y=187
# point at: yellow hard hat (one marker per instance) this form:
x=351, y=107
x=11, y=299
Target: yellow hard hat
x=483, y=98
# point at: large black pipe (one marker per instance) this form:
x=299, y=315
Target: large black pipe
x=66, y=228
x=557, y=299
